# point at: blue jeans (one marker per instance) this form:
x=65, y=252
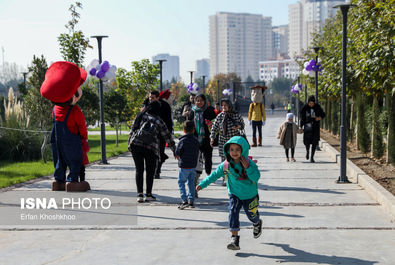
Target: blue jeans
x=250, y=208
x=187, y=175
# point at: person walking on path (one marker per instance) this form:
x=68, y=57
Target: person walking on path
x=187, y=107
x=187, y=153
x=256, y=113
x=289, y=107
x=202, y=115
x=272, y=107
x=144, y=146
x=228, y=123
x=287, y=135
x=166, y=116
x=242, y=177
x=311, y=115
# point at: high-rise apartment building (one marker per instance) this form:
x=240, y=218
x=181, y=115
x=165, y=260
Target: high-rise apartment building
x=202, y=69
x=305, y=18
x=280, y=40
x=170, y=68
x=238, y=41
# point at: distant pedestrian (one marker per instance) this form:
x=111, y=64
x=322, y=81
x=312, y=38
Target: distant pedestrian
x=272, y=107
x=242, y=177
x=289, y=107
x=287, y=135
x=217, y=108
x=311, y=114
x=187, y=153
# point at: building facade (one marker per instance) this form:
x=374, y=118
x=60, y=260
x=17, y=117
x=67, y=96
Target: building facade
x=202, y=68
x=238, y=41
x=305, y=18
x=286, y=68
x=280, y=40
x=170, y=68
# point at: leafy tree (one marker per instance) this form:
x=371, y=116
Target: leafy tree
x=362, y=132
x=37, y=107
x=178, y=90
x=114, y=109
x=225, y=81
x=137, y=83
x=73, y=45
x=89, y=102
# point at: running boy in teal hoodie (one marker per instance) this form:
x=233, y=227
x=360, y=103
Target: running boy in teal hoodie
x=242, y=176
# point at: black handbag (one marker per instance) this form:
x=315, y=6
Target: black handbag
x=308, y=128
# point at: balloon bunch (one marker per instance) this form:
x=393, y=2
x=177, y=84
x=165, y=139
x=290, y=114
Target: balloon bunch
x=311, y=67
x=296, y=88
x=193, y=88
x=227, y=92
x=103, y=71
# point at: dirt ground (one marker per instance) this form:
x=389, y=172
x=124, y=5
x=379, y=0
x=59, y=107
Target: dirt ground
x=377, y=169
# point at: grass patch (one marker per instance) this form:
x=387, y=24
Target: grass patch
x=178, y=126
x=123, y=127
x=17, y=172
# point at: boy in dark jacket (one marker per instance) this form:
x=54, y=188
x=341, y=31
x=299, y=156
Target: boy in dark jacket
x=187, y=153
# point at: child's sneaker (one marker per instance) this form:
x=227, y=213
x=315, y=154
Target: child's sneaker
x=183, y=205
x=257, y=231
x=140, y=198
x=191, y=205
x=234, y=243
x=149, y=197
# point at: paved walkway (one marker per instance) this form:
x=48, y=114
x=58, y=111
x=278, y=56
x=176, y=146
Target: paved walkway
x=307, y=219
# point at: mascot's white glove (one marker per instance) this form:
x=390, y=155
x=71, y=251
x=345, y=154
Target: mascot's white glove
x=263, y=123
x=250, y=122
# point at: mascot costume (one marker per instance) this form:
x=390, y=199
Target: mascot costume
x=69, y=134
x=256, y=113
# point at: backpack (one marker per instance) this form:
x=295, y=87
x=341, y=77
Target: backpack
x=147, y=132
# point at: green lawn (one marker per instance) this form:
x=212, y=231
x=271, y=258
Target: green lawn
x=17, y=172
x=109, y=128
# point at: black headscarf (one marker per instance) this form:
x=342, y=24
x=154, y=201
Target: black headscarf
x=227, y=117
x=312, y=99
x=153, y=108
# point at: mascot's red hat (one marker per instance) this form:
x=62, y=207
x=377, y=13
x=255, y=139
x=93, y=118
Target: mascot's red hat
x=62, y=80
x=165, y=94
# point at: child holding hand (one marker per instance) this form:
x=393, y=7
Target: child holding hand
x=242, y=176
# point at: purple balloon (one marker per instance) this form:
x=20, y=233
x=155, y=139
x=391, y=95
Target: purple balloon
x=309, y=68
x=100, y=74
x=300, y=86
x=105, y=66
x=93, y=71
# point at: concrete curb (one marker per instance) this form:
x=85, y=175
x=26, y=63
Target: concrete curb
x=357, y=175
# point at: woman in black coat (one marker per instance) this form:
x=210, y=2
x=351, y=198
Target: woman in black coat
x=202, y=115
x=311, y=114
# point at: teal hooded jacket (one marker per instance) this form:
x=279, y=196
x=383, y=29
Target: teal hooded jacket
x=243, y=188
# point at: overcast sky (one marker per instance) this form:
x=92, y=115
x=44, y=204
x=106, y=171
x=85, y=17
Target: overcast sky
x=137, y=29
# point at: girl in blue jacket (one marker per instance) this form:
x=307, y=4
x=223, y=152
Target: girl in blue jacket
x=242, y=176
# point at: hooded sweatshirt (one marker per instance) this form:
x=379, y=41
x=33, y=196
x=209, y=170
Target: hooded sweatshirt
x=243, y=188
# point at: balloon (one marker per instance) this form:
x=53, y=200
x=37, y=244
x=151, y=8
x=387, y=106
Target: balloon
x=109, y=75
x=306, y=64
x=305, y=72
x=309, y=68
x=113, y=68
x=94, y=63
x=113, y=82
x=193, y=88
x=105, y=66
x=100, y=74
x=92, y=71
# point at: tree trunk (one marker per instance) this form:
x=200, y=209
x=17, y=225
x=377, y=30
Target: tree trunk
x=352, y=118
x=377, y=137
x=116, y=133
x=391, y=127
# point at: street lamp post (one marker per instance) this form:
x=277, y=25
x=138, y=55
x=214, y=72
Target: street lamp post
x=24, y=79
x=191, y=72
x=102, y=125
x=305, y=93
x=343, y=148
x=160, y=70
x=217, y=90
